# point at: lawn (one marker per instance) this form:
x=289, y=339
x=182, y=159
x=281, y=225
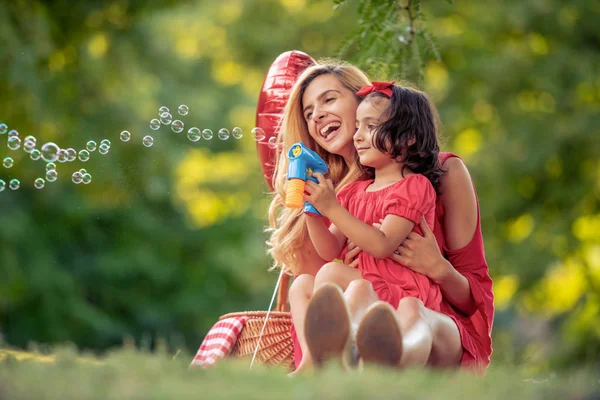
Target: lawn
x=134, y=374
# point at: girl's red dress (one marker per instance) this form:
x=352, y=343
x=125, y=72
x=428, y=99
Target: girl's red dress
x=475, y=329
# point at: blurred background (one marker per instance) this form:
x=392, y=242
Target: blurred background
x=168, y=238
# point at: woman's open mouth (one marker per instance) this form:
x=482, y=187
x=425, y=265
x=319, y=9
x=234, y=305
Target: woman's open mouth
x=329, y=131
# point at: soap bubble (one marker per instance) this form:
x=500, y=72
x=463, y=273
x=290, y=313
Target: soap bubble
x=13, y=133
x=163, y=109
x=30, y=138
x=62, y=156
x=207, y=134
x=257, y=134
x=84, y=155
x=14, y=184
x=154, y=124
x=91, y=145
x=83, y=171
x=183, y=109
x=194, y=134
x=125, y=136
x=86, y=178
x=8, y=162
x=50, y=166
x=2, y=185
x=14, y=143
x=28, y=146
x=35, y=154
x=106, y=143
x=272, y=142
x=3, y=129
x=51, y=175
x=166, y=118
x=177, y=126
x=103, y=149
x=148, y=141
x=77, y=177
x=223, y=134
x=50, y=152
x=237, y=133
x=39, y=183
x=71, y=154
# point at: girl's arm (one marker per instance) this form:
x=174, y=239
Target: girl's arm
x=380, y=243
x=328, y=242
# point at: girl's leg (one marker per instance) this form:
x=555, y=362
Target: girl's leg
x=338, y=273
x=299, y=296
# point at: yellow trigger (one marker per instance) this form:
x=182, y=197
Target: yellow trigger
x=309, y=171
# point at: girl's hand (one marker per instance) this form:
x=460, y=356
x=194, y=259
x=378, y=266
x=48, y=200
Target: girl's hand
x=421, y=253
x=351, y=257
x=321, y=195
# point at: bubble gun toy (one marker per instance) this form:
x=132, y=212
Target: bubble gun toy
x=303, y=163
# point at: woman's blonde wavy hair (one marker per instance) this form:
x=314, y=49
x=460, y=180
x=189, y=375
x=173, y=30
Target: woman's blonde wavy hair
x=288, y=229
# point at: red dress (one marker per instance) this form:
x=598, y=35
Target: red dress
x=475, y=330
x=412, y=198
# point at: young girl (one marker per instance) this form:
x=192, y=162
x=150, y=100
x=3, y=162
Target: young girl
x=396, y=142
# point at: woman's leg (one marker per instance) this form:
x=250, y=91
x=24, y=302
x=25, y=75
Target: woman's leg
x=299, y=296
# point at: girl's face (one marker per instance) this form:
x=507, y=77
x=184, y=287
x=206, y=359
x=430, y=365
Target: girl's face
x=368, y=116
x=329, y=109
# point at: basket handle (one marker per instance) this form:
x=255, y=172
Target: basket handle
x=283, y=294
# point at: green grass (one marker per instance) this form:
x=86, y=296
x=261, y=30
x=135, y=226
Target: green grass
x=131, y=374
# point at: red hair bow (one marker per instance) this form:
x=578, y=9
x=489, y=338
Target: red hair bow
x=381, y=87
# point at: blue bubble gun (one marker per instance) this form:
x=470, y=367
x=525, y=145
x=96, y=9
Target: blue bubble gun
x=303, y=162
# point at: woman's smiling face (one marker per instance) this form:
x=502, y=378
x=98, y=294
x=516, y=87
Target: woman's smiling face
x=329, y=109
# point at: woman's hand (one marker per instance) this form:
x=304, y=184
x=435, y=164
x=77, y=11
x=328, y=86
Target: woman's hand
x=351, y=257
x=321, y=195
x=421, y=253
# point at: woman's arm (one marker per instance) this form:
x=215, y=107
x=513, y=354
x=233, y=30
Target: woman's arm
x=328, y=243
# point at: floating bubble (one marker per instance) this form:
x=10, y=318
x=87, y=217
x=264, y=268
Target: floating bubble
x=272, y=142
x=207, y=134
x=103, y=149
x=91, y=146
x=50, y=166
x=2, y=185
x=125, y=136
x=3, y=129
x=14, y=184
x=257, y=134
x=35, y=154
x=77, y=177
x=148, y=141
x=223, y=134
x=30, y=138
x=50, y=152
x=154, y=124
x=28, y=146
x=14, y=143
x=183, y=109
x=177, y=126
x=8, y=162
x=62, y=156
x=71, y=154
x=163, y=109
x=86, y=178
x=166, y=118
x=51, y=175
x=106, y=143
x=83, y=171
x=84, y=155
x=13, y=133
x=237, y=133
x=39, y=183
x=194, y=134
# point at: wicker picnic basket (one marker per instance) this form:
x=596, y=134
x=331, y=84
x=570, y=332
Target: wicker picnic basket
x=276, y=346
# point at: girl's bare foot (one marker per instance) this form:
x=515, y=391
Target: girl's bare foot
x=327, y=326
x=379, y=338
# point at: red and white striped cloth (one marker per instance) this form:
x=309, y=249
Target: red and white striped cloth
x=219, y=341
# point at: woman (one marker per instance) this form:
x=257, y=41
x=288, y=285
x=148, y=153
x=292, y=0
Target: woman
x=321, y=112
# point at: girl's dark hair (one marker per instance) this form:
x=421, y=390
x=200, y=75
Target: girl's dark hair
x=409, y=132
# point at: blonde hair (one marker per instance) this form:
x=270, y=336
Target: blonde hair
x=288, y=230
